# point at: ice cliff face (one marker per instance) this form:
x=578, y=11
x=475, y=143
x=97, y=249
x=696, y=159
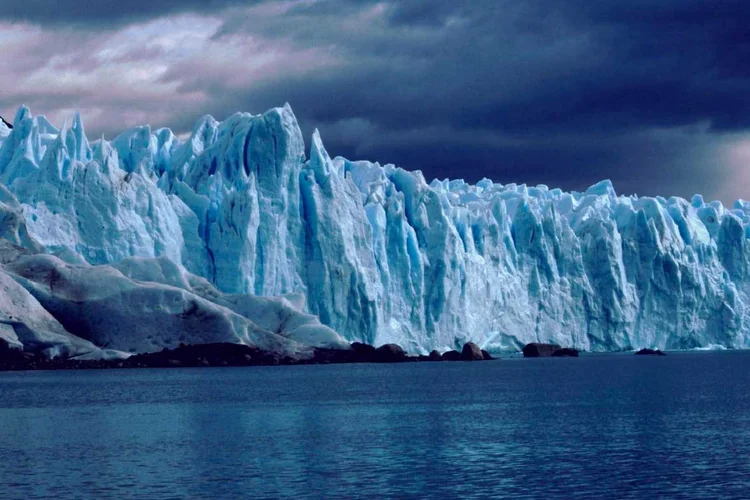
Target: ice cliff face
x=74, y=309
x=380, y=254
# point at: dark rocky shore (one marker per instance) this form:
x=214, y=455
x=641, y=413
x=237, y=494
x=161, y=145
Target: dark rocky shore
x=227, y=354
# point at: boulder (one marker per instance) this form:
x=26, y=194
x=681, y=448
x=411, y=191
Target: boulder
x=451, y=356
x=538, y=350
x=487, y=356
x=434, y=356
x=389, y=353
x=364, y=352
x=471, y=352
x=650, y=352
x=565, y=352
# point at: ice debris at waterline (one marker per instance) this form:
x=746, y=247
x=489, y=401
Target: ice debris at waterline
x=380, y=255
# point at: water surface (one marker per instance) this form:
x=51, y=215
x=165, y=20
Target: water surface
x=612, y=426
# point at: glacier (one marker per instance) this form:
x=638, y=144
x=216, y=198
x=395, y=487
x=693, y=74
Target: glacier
x=241, y=218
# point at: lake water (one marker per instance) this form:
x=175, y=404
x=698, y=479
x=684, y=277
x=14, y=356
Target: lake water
x=606, y=426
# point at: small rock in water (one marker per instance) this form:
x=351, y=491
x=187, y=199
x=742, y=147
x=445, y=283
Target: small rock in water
x=471, y=352
x=650, y=352
x=487, y=356
x=538, y=350
x=389, y=353
x=364, y=352
x=451, y=356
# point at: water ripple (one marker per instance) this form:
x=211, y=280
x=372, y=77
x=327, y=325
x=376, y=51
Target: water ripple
x=594, y=427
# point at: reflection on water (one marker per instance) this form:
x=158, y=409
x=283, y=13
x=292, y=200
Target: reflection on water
x=615, y=426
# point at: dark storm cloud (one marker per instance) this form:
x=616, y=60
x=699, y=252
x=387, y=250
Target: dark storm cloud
x=605, y=76
x=541, y=91
x=543, y=65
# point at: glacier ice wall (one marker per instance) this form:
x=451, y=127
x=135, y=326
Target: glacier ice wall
x=380, y=254
x=134, y=305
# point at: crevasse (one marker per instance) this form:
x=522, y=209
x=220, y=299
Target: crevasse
x=381, y=255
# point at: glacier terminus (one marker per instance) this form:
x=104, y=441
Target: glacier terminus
x=117, y=246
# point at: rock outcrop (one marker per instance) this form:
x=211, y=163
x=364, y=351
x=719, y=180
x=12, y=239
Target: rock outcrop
x=650, y=352
x=451, y=356
x=471, y=352
x=539, y=350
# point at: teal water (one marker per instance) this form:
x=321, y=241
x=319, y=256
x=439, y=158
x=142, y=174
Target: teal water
x=604, y=426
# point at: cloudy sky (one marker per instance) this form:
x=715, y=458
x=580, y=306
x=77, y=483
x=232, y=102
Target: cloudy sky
x=653, y=94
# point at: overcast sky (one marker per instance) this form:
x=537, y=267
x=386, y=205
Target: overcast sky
x=653, y=94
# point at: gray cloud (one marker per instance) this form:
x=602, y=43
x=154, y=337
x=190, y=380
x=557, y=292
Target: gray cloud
x=103, y=14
